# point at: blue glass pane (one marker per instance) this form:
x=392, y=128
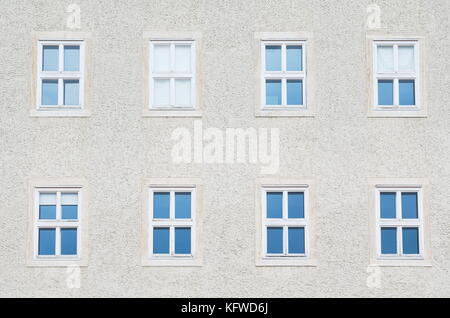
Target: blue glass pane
x=410, y=240
x=161, y=237
x=49, y=92
x=72, y=58
x=46, y=242
x=273, y=92
x=409, y=205
x=273, y=58
x=274, y=240
x=385, y=92
x=388, y=240
x=182, y=205
x=182, y=240
x=296, y=240
x=69, y=212
x=294, y=58
x=406, y=92
x=274, y=205
x=161, y=205
x=50, y=57
x=387, y=205
x=294, y=92
x=71, y=92
x=47, y=212
x=68, y=241
x=296, y=205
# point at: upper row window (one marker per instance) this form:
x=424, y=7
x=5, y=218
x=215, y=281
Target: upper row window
x=396, y=66
x=60, y=75
x=173, y=85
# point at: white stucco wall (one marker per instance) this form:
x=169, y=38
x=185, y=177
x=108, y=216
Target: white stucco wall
x=116, y=148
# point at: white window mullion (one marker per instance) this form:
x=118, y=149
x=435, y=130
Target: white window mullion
x=172, y=92
x=285, y=240
x=283, y=92
x=58, y=206
x=399, y=240
x=396, y=92
x=172, y=240
x=58, y=241
x=60, y=92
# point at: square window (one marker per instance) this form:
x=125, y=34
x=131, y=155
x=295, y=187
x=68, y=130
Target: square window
x=285, y=222
x=172, y=74
x=399, y=223
x=57, y=224
x=172, y=223
x=396, y=75
x=283, y=74
x=60, y=76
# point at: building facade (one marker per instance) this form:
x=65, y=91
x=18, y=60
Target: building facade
x=224, y=148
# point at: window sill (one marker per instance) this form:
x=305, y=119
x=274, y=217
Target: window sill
x=401, y=263
x=386, y=113
x=60, y=113
x=171, y=112
x=288, y=261
x=56, y=262
x=284, y=112
x=175, y=262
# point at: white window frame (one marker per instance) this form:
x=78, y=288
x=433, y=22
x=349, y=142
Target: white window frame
x=399, y=222
x=283, y=75
x=57, y=223
x=285, y=222
x=37, y=186
x=284, y=185
x=60, y=76
x=419, y=186
x=305, y=39
x=396, y=75
x=172, y=222
x=171, y=185
x=374, y=39
x=173, y=108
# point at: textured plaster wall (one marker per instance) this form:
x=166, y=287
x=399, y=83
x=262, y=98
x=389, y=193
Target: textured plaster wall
x=116, y=147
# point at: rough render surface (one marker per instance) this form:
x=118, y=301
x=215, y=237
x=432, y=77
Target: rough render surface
x=116, y=147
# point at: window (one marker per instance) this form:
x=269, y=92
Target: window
x=399, y=226
x=172, y=75
x=60, y=75
x=171, y=230
x=396, y=79
x=283, y=79
x=285, y=227
x=57, y=224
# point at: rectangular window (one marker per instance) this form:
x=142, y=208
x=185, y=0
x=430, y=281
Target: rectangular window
x=57, y=223
x=172, y=74
x=396, y=75
x=399, y=223
x=283, y=74
x=285, y=225
x=172, y=222
x=60, y=75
